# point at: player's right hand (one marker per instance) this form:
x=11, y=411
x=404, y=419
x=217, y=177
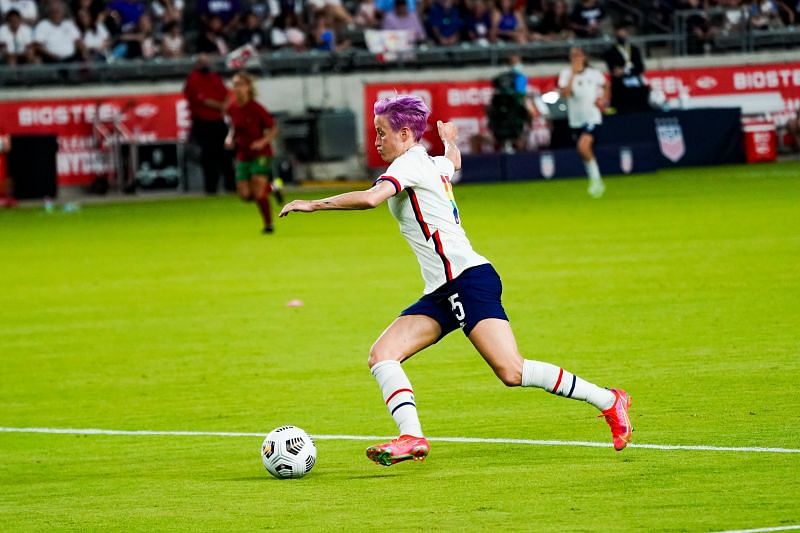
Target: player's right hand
x=447, y=131
x=303, y=206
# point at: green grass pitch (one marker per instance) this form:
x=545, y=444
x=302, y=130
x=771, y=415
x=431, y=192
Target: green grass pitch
x=683, y=287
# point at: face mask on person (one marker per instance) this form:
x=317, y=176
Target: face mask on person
x=205, y=69
x=622, y=41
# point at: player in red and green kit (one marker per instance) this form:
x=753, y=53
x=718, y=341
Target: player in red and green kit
x=252, y=132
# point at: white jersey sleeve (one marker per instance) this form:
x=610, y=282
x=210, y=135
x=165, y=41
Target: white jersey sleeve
x=444, y=165
x=402, y=173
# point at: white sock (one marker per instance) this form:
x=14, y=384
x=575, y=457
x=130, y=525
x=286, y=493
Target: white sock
x=399, y=397
x=592, y=170
x=556, y=380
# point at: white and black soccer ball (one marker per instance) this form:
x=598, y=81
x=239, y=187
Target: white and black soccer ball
x=288, y=452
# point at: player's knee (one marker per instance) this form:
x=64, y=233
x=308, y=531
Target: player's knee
x=379, y=353
x=511, y=377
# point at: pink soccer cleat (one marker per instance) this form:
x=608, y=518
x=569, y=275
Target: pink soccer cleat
x=617, y=418
x=402, y=448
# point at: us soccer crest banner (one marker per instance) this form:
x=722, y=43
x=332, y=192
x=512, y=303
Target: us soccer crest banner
x=670, y=138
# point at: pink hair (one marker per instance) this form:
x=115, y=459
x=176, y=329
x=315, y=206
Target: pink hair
x=404, y=110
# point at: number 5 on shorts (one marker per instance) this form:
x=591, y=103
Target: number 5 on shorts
x=458, y=308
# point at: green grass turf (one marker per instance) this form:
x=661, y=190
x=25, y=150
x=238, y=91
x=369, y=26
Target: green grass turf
x=683, y=287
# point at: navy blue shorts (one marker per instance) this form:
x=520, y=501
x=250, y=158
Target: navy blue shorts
x=591, y=129
x=465, y=301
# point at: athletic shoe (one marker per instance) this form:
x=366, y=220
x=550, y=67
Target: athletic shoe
x=268, y=229
x=596, y=188
x=617, y=418
x=402, y=448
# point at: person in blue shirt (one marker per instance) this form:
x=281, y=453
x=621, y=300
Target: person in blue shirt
x=445, y=22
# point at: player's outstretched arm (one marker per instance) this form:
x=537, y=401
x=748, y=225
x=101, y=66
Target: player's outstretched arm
x=348, y=201
x=449, y=133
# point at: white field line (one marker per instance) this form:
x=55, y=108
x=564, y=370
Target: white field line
x=762, y=529
x=526, y=442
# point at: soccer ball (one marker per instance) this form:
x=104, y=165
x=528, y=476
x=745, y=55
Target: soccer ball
x=288, y=452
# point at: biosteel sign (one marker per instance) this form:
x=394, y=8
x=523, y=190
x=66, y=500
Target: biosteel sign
x=81, y=158
x=464, y=102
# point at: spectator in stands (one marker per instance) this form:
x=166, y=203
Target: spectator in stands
x=387, y=6
x=734, y=18
x=16, y=40
x=766, y=14
x=367, y=15
x=97, y=8
x=444, y=22
x=57, y=38
x=94, y=35
x=534, y=9
x=27, y=9
x=629, y=92
x=127, y=13
x=333, y=9
x=325, y=37
x=139, y=43
x=227, y=11
x=587, y=17
x=251, y=33
x=212, y=40
x=555, y=23
x=699, y=32
x=172, y=44
x=289, y=32
x=479, y=22
x=507, y=23
x=207, y=96
x=404, y=19
x=166, y=11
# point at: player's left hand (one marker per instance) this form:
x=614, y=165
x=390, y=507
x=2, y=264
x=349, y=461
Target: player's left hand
x=258, y=145
x=447, y=131
x=303, y=206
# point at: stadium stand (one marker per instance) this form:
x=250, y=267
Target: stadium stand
x=91, y=40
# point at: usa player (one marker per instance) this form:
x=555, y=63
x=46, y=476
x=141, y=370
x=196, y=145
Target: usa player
x=462, y=289
x=252, y=132
x=586, y=92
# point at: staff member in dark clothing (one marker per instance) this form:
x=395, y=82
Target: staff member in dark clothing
x=629, y=93
x=207, y=95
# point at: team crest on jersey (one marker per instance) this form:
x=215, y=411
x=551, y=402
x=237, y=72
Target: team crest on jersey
x=670, y=138
x=547, y=165
x=626, y=160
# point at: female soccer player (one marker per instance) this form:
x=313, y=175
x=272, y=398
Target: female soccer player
x=462, y=288
x=252, y=132
x=586, y=92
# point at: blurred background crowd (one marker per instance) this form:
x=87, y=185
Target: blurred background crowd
x=53, y=31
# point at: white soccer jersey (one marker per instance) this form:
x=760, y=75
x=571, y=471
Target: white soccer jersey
x=587, y=87
x=428, y=216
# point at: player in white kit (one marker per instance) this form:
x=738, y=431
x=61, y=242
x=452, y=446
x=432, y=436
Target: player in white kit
x=462, y=289
x=586, y=91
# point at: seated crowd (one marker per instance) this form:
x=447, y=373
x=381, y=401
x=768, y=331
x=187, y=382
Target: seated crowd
x=53, y=31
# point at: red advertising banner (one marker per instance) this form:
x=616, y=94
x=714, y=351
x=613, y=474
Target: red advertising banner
x=148, y=117
x=772, y=90
x=461, y=102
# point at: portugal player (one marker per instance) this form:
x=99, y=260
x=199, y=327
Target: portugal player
x=252, y=132
x=462, y=289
